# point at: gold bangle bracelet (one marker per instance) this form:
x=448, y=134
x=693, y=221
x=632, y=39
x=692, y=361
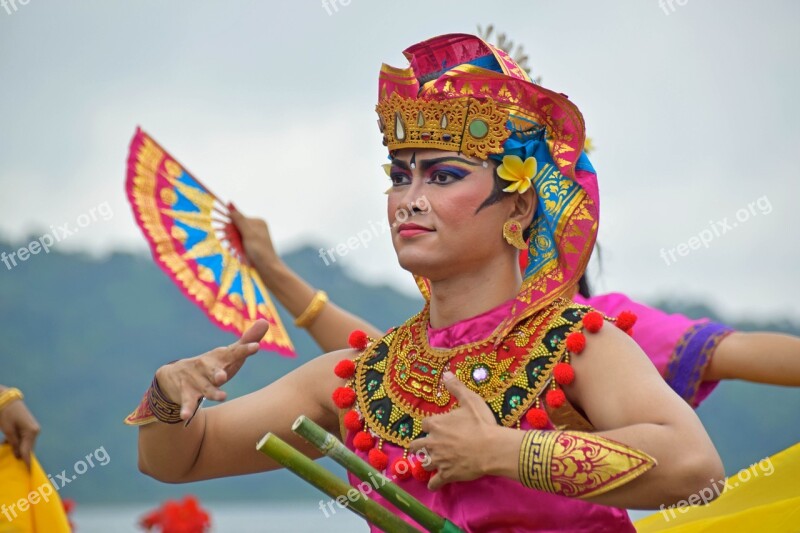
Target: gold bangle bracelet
x=9, y=395
x=308, y=316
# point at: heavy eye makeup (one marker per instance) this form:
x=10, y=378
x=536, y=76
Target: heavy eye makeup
x=446, y=174
x=436, y=173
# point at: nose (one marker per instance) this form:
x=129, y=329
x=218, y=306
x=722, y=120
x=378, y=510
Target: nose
x=412, y=197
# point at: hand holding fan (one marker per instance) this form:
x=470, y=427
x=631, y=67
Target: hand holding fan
x=193, y=239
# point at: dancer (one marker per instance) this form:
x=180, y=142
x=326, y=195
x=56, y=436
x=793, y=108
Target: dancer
x=693, y=355
x=498, y=159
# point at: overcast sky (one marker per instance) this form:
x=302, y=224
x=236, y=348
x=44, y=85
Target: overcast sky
x=693, y=109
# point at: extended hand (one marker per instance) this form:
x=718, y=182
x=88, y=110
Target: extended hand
x=459, y=442
x=20, y=429
x=187, y=380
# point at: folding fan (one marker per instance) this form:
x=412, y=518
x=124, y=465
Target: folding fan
x=194, y=241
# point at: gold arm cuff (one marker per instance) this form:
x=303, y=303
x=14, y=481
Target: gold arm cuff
x=9, y=395
x=308, y=316
x=578, y=465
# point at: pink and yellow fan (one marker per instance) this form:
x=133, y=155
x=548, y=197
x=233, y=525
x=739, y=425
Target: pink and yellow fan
x=194, y=241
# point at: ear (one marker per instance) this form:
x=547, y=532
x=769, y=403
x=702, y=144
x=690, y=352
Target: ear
x=523, y=207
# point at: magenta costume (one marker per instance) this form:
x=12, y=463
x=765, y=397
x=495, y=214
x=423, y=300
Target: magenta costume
x=462, y=95
x=496, y=504
x=680, y=347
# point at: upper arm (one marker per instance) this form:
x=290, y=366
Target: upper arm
x=616, y=385
x=233, y=428
x=628, y=401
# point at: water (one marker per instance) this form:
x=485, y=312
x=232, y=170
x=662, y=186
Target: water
x=234, y=518
x=237, y=518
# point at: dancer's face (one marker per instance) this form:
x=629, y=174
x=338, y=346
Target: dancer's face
x=438, y=225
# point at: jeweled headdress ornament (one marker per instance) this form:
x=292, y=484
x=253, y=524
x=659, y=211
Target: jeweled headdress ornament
x=461, y=94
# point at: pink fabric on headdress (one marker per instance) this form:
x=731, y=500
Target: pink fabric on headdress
x=493, y=504
x=679, y=347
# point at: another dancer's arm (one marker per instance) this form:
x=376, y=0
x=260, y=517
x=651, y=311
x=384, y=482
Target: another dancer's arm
x=333, y=324
x=17, y=423
x=771, y=358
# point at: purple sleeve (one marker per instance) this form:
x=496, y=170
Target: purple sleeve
x=689, y=360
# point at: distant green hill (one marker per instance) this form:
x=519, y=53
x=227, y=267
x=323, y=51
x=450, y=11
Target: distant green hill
x=82, y=338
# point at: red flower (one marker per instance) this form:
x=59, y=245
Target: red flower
x=69, y=506
x=357, y=340
x=185, y=516
x=344, y=397
x=345, y=369
x=593, y=321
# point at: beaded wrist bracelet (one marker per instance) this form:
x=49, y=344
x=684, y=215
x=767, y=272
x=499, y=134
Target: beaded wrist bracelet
x=162, y=407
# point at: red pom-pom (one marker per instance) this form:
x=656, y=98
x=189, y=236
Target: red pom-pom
x=352, y=421
x=537, y=418
x=564, y=373
x=555, y=398
x=626, y=320
x=400, y=469
x=344, y=397
x=357, y=340
x=593, y=321
x=345, y=369
x=629, y=331
x=419, y=473
x=363, y=441
x=576, y=342
x=378, y=459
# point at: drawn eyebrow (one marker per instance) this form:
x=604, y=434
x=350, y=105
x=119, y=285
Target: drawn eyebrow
x=400, y=163
x=428, y=163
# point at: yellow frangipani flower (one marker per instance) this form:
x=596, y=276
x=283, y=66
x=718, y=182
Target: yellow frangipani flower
x=518, y=173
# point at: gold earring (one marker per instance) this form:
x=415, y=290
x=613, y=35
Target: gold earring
x=512, y=233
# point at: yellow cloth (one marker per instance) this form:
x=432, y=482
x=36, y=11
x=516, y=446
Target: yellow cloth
x=43, y=511
x=764, y=497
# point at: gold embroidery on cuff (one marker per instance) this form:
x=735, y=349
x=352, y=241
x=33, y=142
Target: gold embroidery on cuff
x=578, y=465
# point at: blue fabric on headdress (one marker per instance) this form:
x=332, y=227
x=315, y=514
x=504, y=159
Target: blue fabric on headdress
x=553, y=192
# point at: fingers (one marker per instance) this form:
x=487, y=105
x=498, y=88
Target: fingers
x=235, y=215
x=437, y=481
x=458, y=389
x=13, y=440
x=26, y=445
x=417, y=445
x=255, y=332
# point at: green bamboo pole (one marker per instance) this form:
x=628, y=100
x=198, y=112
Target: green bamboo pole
x=333, y=448
x=330, y=484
